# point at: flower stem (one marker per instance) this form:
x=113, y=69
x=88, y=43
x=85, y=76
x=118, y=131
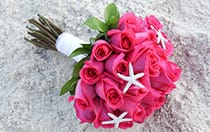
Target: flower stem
x=45, y=33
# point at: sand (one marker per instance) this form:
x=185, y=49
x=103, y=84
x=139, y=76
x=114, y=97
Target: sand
x=31, y=77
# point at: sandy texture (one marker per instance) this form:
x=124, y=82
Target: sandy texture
x=31, y=77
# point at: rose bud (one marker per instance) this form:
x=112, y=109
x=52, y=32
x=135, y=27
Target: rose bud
x=154, y=22
x=165, y=53
x=134, y=108
x=124, y=125
x=170, y=69
x=159, y=99
x=135, y=93
x=153, y=63
x=162, y=83
x=148, y=103
x=101, y=110
x=107, y=90
x=169, y=73
x=116, y=64
x=130, y=22
x=101, y=50
x=122, y=41
x=141, y=37
x=173, y=71
x=91, y=71
x=145, y=58
x=83, y=102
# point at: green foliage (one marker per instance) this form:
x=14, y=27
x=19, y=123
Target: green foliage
x=79, y=51
x=70, y=85
x=96, y=24
x=111, y=16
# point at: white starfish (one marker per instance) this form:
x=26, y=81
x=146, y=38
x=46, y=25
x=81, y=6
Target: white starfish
x=117, y=120
x=131, y=79
x=160, y=38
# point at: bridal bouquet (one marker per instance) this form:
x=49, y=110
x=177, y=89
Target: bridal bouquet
x=122, y=75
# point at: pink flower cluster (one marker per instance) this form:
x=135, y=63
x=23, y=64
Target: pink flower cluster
x=126, y=78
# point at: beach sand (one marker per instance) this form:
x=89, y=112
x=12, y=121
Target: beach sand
x=31, y=77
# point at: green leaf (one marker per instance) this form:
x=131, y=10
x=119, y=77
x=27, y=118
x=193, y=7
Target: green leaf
x=79, y=51
x=77, y=67
x=111, y=10
x=72, y=91
x=96, y=24
x=112, y=22
x=87, y=46
x=69, y=85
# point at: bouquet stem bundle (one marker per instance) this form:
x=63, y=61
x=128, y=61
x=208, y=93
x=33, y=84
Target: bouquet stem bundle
x=44, y=34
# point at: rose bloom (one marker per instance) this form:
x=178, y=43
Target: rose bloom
x=165, y=53
x=159, y=99
x=145, y=58
x=123, y=125
x=169, y=73
x=101, y=50
x=130, y=22
x=149, y=35
x=153, y=62
x=153, y=21
x=135, y=93
x=116, y=64
x=83, y=102
x=122, y=41
x=108, y=90
x=102, y=109
x=148, y=103
x=91, y=71
x=162, y=83
x=173, y=71
x=134, y=108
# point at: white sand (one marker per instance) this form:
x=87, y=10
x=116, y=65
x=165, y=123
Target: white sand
x=31, y=77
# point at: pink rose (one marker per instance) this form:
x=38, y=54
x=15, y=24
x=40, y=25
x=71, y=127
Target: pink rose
x=149, y=35
x=145, y=58
x=122, y=41
x=102, y=110
x=159, y=99
x=154, y=66
x=134, y=108
x=101, y=50
x=148, y=103
x=153, y=21
x=123, y=125
x=116, y=64
x=135, y=93
x=162, y=83
x=91, y=71
x=165, y=53
x=108, y=90
x=83, y=102
x=130, y=22
x=172, y=71
x=169, y=73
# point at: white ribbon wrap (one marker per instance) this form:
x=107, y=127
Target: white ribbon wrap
x=66, y=43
